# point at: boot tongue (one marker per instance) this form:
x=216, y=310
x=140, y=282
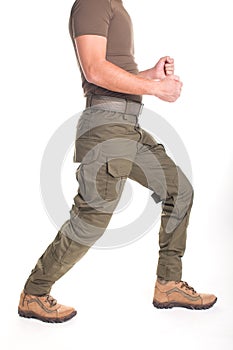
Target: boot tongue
x=187, y=286
x=161, y=281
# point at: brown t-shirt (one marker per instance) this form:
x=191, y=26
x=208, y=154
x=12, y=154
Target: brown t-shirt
x=106, y=18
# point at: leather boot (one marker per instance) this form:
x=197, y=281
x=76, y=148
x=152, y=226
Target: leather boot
x=169, y=294
x=44, y=308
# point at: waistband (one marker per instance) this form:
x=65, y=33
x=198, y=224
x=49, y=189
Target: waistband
x=114, y=104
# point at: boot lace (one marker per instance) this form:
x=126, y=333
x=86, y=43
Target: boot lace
x=187, y=286
x=51, y=300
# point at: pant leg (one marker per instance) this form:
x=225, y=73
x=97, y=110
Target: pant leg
x=89, y=218
x=57, y=259
x=154, y=169
x=105, y=164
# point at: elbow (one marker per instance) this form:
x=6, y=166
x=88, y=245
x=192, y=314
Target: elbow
x=91, y=77
x=92, y=73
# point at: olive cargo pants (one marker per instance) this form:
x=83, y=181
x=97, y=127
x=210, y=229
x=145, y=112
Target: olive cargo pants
x=112, y=147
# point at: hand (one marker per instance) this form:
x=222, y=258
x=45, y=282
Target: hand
x=169, y=88
x=163, y=68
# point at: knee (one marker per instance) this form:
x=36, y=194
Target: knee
x=188, y=191
x=185, y=190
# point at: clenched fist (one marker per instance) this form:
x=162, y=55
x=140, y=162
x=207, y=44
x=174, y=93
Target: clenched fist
x=169, y=88
x=163, y=68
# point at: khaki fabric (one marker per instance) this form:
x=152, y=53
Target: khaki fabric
x=106, y=18
x=112, y=147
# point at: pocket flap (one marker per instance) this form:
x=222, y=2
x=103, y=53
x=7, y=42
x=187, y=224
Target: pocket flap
x=119, y=167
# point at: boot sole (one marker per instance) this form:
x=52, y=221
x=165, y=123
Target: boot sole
x=30, y=314
x=170, y=305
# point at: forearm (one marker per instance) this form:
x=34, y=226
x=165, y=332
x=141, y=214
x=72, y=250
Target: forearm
x=112, y=77
x=147, y=74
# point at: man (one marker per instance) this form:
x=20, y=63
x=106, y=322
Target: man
x=110, y=147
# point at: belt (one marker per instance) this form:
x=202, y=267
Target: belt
x=114, y=104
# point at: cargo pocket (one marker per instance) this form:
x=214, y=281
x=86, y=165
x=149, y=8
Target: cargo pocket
x=118, y=169
x=86, y=150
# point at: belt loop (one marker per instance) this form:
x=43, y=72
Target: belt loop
x=126, y=105
x=141, y=108
x=89, y=100
x=124, y=115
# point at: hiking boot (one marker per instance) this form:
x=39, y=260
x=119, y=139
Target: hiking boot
x=44, y=308
x=169, y=294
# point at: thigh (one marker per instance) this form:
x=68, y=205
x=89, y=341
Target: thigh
x=101, y=182
x=102, y=174
x=106, y=145
x=153, y=168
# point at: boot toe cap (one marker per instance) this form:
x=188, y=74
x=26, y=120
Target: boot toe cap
x=208, y=299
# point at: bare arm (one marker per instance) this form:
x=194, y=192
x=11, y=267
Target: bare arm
x=91, y=51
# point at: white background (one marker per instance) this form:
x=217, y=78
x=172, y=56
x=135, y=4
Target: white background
x=112, y=290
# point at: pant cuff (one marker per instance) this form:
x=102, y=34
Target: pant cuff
x=164, y=272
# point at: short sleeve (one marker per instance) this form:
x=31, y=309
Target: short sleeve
x=91, y=17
